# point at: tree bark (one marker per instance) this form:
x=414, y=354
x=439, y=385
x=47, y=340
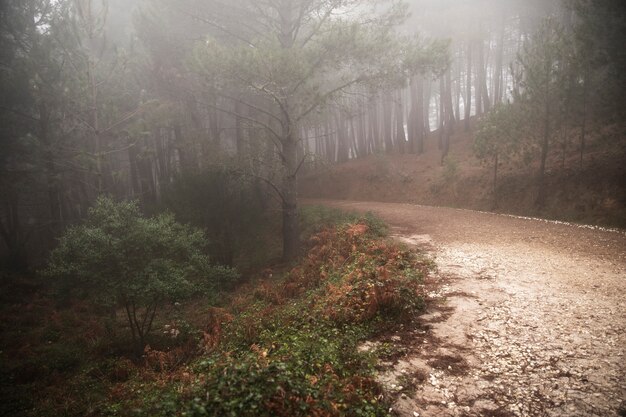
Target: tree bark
x=400, y=132
x=486, y=104
x=468, y=93
x=387, y=123
x=498, y=79
x=291, y=232
x=541, y=198
x=583, y=124
x=450, y=119
x=419, y=119
x=427, y=97
x=495, y=182
x=442, y=110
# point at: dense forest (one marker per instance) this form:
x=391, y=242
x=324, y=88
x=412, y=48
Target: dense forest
x=137, y=100
x=149, y=144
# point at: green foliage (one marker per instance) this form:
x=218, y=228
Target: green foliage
x=599, y=31
x=314, y=64
x=314, y=218
x=544, y=62
x=292, y=347
x=499, y=133
x=120, y=259
x=450, y=169
x=229, y=207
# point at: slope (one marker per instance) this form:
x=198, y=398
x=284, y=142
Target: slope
x=592, y=194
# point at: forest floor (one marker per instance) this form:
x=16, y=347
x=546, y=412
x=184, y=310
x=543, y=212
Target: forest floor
x=594, y=193
x=526, y=317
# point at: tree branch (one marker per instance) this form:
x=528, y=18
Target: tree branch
x=325, y=96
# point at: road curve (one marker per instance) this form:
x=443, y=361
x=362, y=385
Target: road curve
x=537, y=315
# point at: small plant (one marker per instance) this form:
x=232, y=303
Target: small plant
x=315, y=218
x=450, y=170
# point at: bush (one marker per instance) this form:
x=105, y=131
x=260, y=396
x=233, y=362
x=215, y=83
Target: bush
x=450, y=170
x=120, y=259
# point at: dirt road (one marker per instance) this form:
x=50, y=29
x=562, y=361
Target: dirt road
x=528, y=319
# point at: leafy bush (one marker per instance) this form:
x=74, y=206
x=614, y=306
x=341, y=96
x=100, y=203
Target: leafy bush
x=122, y=260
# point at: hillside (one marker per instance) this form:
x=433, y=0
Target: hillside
x=594, y=194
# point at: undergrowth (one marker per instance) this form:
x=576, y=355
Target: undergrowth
x=287, y=345
x=283, y=344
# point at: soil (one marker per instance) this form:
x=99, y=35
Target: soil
x=526, y=317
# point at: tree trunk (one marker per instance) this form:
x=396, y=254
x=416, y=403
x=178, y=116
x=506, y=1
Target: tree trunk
x=495, y=182
x=427, y=97
x=419, y=119
x=239, y=135
x=448, y=119
x=448, y=101
x=400, y=132
x=414, y=122
x=330, y=144
x=387, y=123
x=498, y=79
x=486, y=104
x=343, y=147
x=54, y=196
x=583, y=124
x=541, y=198
x=478, y=85
x=291, y=232
x=459, y=89
x=12, y=234
x=374, y=129
x=93, y=86
x=468, y=93
x=442, y=110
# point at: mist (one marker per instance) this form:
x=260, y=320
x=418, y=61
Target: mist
x=186, y=182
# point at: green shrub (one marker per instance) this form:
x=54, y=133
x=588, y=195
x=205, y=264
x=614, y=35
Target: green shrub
x=120, y=259
x=60, y=357
x=450, y=170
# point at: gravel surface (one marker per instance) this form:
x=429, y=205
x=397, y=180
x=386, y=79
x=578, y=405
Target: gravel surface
x=526, y=317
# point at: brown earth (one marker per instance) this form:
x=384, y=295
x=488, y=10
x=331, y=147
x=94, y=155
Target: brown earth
x=527, y=317
x=595, y=193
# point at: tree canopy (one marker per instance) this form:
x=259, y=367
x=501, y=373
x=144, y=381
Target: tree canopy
x=294, y=57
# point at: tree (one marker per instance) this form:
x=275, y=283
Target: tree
x=290, y=58
x=498, y=138
x=30, y=77
x=542, y=88
x=599, y=31
x=122, y=260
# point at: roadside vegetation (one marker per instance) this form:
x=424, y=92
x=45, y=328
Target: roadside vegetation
x=280, y=342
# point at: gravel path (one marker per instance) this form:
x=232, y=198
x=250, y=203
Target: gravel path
x=528, y=317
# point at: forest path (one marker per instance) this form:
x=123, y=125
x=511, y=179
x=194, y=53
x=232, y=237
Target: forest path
x=528, y=317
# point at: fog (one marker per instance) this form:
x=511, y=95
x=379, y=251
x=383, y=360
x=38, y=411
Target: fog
x=123, y=97
x=312, y=207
